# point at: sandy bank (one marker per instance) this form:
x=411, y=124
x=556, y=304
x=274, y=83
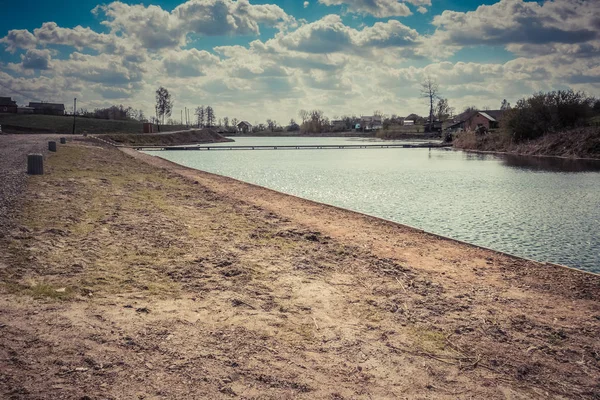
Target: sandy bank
x=129, y=279
x=191, y=136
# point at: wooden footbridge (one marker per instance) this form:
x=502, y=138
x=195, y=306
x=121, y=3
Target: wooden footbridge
x=295, y=147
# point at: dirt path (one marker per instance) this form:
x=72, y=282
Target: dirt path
x=125, y=280
x=13, y=168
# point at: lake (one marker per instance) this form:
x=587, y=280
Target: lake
x=540, y=208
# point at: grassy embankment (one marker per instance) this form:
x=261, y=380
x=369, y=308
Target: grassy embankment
x=400, y=132
x=573, y=143
x=194, y=136
x=20, y=123
x=122, y=132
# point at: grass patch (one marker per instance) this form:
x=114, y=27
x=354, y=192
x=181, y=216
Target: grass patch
x=40, y=290
x=428, y=340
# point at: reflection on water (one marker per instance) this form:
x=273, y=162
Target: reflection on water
x=541, y=208
x=550, y=164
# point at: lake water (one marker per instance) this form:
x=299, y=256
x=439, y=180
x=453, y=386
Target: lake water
x=540, y=208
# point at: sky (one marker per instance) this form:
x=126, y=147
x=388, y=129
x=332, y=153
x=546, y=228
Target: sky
x=257, y=60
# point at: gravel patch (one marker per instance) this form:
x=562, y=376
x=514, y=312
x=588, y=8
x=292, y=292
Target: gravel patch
x=13, y=170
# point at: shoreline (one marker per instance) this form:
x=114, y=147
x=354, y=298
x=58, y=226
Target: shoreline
x=175, y=167
x=125, y=278
x=525, y=155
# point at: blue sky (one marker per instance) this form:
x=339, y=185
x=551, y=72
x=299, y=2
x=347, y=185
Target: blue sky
x=268, y=59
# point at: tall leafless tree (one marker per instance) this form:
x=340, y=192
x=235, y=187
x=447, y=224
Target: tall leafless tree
x=304, y=115
x=430, y=90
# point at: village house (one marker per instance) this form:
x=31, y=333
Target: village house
x=244, y=127
x=8, y=105
x=371, y=123
x=338, y=125
x=47, y=108
x=488, y=119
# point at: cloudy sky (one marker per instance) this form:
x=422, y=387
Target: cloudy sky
x=255, y=60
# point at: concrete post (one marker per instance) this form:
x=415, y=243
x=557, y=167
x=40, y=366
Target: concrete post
x=35, y=164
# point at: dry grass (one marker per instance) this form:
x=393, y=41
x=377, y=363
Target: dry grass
x=172, y=139
x=575, y=143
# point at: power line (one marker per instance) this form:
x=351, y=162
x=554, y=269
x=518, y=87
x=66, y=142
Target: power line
x=14, y=90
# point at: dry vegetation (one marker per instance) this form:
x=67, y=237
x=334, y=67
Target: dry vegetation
x=124, y=280
x=35, y=123
x=193, y=136
x=574, y=143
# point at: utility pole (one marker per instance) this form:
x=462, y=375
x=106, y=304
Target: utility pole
x=181, y=117
x=74, y=112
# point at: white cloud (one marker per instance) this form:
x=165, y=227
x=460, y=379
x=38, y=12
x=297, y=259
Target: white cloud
x=330, y=35
x=306, y=4
x=422, y=9
x=377, y=8
x=520, y=22
x=188, y=63
x=19, y=39
x=322, y=64
x=156, y=28
x=36, y=59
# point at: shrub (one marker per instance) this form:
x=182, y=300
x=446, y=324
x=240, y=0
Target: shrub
x=548, y=112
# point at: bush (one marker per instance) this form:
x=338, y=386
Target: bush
x=544, y=113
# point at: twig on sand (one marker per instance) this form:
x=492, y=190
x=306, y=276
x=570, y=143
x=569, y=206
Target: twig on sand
x=315, y=321
x=403, y=288
x=237, y=302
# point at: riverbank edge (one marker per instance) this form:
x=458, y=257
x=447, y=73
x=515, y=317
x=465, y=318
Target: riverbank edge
x=174, y=167
x=508, y=153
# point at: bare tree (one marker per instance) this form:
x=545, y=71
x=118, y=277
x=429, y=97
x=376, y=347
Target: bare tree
x=304, y=115
x=430, y=90
x=164, y=103
x=200, y=116
x=210, y=116
x=505, y=105
x=234, y=122
x=226, y=122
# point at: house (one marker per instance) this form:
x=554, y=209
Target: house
x=48, y=108
x=488, y=119
x=8, y=105
x=371, y=123
x=244, y=127
x=338, y=125
x=435, y=126
x=25, y=110
x=408, y=122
